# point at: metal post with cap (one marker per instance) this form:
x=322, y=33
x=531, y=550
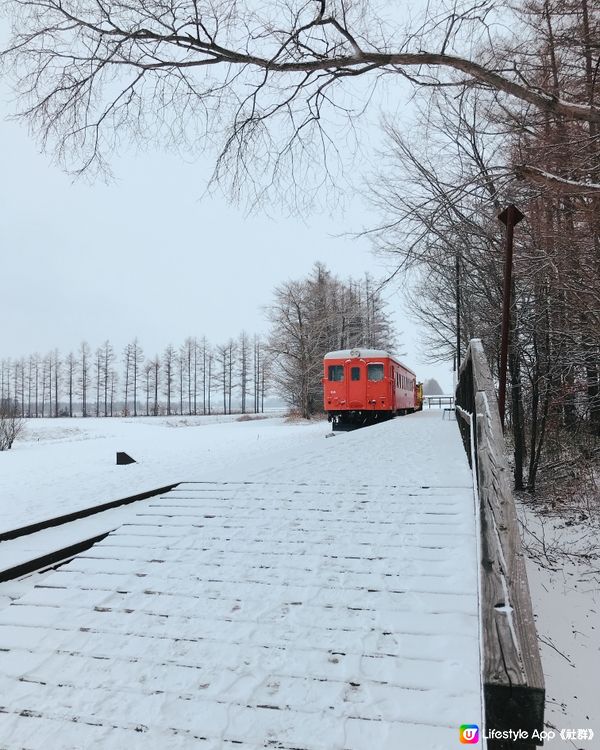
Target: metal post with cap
x=510, y=217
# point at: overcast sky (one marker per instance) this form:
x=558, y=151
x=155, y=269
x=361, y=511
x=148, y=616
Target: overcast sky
x=147, y=256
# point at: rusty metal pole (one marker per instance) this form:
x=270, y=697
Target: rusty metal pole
x=511, y=216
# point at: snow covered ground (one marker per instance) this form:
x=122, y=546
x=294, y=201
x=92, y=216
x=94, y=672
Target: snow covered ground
x=563, y=567
x=327, y=600
x=62, y=465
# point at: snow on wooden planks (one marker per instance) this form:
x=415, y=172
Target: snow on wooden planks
x=320, y=615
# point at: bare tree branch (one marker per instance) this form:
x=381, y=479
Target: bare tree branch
x=250, y=80
x=557, y=184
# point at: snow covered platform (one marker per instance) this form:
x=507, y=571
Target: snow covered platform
x=327, y=602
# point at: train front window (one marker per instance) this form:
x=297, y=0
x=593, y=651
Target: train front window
x=355, y=373
x=336, y=373
x=375, y=372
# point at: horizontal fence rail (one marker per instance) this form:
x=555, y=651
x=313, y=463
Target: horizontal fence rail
x=513, y=681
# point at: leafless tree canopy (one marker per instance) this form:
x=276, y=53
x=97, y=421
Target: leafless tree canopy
x=440, y=191
x=263, y=83
x=317, y=314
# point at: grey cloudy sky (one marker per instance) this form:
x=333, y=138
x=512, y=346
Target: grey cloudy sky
x=146, y=256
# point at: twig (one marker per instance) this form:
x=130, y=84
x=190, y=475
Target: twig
x=558, y=651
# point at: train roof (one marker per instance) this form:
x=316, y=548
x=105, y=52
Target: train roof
x=362, y=353
x=357, y=352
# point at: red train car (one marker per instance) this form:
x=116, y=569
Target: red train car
x=363, y=386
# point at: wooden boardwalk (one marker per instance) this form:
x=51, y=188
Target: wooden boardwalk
x=284, y=612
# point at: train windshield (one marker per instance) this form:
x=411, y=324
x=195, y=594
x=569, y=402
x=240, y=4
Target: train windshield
x=375, y=372
x=336, y=373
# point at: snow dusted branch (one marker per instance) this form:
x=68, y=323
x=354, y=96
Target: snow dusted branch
x=557, y=184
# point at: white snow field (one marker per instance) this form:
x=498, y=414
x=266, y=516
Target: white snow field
x=293, y=592
x=66, y=464
x=565, y=591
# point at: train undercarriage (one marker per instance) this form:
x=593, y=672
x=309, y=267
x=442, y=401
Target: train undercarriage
x=343, y=421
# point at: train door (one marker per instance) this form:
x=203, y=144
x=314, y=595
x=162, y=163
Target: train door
x=356, y=384
x=378, y=393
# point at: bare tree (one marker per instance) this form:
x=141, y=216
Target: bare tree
x=257, y=367
x=11, y=423
x=168, y=367
x=155, y=364
x=4, y=379
x=206, y=358
x=190, y=360
x=30, y=371
x=43, y=381
x=440, y=200
x=181, y=368
x=209, y=375
x=269, y=77
x=84, y=375
x=20, y=386
x=98, y=367
x=36, y=366
x=231, y=359
x=57, y=379
x=71, y=364
x=127, y=357
x=221, y=354
x=133, y=356
x=310, y=317
x=107, y=357
x=113, y=379
x=137, y=357
x=50, y=365
x=294, y=343
x=244, y=353
x=148, y=370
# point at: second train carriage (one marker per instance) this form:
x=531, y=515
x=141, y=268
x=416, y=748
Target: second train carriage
x=363, y=386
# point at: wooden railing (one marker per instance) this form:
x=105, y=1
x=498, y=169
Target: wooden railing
x=513, y=680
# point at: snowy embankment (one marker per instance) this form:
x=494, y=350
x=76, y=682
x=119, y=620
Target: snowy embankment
x=563, y=567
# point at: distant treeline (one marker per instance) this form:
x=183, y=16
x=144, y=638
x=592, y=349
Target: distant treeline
x=195, y=378
x=308, y=317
